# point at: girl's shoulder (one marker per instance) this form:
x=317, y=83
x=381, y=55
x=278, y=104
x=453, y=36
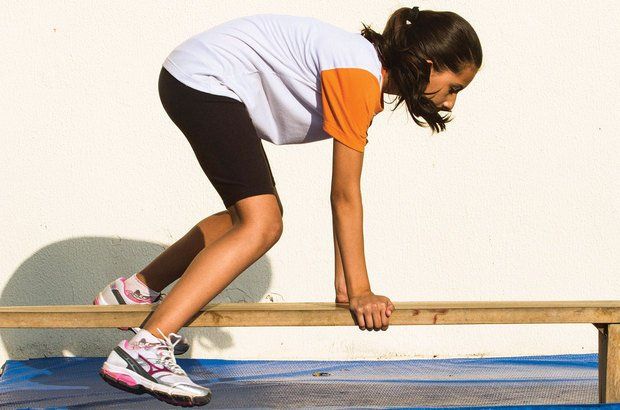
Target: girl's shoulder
x=349, y=51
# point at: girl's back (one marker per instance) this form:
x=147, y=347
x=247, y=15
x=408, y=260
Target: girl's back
x=274, y=65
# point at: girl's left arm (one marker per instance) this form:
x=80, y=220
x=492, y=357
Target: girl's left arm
x=339, y=280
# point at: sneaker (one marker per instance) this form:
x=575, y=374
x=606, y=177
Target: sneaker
x=116, y=294
x=146, y=364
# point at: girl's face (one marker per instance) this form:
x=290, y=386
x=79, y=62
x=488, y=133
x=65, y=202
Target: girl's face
x=444, y=86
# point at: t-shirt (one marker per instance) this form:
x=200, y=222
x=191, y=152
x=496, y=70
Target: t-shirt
x=301, y=79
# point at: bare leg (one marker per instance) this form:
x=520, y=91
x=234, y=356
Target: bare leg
x=171, y=263
x=257, y=226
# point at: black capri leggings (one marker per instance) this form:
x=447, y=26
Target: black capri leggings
x=222, y=135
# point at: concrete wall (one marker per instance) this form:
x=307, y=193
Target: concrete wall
x=518, y=200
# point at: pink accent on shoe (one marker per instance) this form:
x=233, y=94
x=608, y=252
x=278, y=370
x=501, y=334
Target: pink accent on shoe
x=152, y=370
x=137, y=299
x=96, y=301
x=120, y=377
x=129, y=346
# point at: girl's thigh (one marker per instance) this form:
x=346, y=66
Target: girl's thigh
x=223, y=138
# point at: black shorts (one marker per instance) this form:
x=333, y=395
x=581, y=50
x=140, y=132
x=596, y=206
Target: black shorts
x=221, y=133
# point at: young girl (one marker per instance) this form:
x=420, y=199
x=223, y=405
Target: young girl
x=287, y=80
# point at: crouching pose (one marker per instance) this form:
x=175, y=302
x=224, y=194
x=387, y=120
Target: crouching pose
x=286, y=80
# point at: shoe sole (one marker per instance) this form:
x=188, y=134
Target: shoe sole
x=134, y=383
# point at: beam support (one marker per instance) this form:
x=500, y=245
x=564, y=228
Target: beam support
x=608, y=363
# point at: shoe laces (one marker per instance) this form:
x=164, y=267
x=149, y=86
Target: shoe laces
x=166, y=352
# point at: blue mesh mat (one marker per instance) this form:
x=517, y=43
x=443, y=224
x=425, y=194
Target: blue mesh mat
x=565, y=381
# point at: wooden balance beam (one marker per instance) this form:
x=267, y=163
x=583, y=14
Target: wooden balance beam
x=605, y=315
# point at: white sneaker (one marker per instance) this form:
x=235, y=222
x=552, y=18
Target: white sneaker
x=146, y=364
x=115, y=293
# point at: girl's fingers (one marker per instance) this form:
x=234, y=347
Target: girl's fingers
x=373, y=318
x=360, y=321
x=384, y=320
x=390, y=308
x=376, y=320
x=368, y=319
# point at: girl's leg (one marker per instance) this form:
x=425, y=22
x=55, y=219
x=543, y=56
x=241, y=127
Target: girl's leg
x=171, y=263
x=257, y=226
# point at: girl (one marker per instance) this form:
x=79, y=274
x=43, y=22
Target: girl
x=287, y=80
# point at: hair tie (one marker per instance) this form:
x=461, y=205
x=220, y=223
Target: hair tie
x=413, y=14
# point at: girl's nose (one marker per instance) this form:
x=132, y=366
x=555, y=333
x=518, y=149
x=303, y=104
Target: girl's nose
x=446, y=107
x=449, y=104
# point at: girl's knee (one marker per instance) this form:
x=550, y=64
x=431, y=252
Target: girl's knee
x=269, y=231
x=261, y=215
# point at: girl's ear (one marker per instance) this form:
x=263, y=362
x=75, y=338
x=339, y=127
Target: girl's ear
x=431, y=63
x=433, y=72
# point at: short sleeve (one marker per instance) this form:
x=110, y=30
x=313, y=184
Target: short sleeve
x=351, y=97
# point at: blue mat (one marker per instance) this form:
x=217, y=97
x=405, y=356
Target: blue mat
x=565, y=381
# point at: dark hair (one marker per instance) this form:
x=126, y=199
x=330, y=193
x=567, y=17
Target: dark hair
x=443, y=37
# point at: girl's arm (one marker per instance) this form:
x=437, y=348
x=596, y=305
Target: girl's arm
x=347, y=220
x=369, y=310
x=347, y=217
x=340, y=283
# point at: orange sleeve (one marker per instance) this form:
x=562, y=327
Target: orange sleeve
x=351, y=97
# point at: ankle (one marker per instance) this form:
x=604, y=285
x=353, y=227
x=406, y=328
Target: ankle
x=156, y=332
x=136, y=282
x=145, y=334
x=143, y=280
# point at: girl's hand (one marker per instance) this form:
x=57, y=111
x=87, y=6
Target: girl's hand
x=371, y=311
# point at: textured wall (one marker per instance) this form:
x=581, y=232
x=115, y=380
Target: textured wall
x=518, y=200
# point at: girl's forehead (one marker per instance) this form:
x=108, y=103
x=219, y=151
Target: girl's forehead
x=464, y=77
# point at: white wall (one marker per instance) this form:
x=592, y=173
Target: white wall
x=518, y=200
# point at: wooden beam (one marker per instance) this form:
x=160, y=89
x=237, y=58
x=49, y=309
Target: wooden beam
x=317, y=314
x=612, y=365
x=602, y=362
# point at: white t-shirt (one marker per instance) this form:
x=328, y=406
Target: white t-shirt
x=301, y=79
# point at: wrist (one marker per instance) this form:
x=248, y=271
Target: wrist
x=341, y=286
x=359, y=293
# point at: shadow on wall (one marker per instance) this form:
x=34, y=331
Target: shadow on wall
x=73, y=271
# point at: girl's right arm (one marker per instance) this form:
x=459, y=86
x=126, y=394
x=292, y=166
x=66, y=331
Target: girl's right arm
x=370, y=311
